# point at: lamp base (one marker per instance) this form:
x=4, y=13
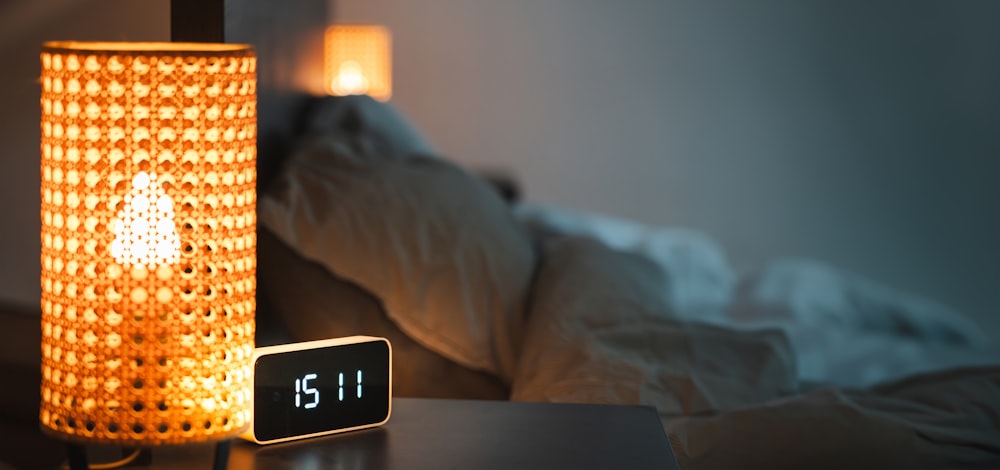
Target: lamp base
x=77, y=454
x=77, y=457
x=221, y=459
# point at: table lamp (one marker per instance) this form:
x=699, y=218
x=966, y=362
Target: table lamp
x=358, y=61
x=148, y=243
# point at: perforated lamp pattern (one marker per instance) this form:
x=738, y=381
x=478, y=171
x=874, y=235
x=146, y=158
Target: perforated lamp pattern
x=148, y=241
x=358, y=61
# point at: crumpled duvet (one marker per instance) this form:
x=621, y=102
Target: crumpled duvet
x=843, y=328
x=600, y=329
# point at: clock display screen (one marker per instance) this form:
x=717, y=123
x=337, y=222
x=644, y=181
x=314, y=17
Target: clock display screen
x=315, y=390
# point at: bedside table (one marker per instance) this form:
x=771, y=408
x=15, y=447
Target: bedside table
x=466, y=434
x=421, y=433
x=436, y=434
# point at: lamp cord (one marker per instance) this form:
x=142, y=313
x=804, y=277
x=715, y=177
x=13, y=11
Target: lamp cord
x=109, y=465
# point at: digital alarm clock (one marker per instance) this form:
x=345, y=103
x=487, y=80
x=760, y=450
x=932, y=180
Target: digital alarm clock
x=316, y=388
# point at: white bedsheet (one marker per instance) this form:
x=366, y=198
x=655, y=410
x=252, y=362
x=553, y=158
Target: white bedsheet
x=843, y=329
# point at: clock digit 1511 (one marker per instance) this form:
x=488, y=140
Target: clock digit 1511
x=320, y=387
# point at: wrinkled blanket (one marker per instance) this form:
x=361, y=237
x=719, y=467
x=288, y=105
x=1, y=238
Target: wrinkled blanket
x=600, y=330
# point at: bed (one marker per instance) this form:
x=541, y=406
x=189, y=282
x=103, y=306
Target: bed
x=367, y=230
x=364, y=228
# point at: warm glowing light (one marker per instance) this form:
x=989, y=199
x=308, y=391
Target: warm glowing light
x=148, y=175
x=359, y=61
x=145, y=234
x=350, y=80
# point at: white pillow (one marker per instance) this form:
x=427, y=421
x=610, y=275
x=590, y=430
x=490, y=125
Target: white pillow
x=439, y=247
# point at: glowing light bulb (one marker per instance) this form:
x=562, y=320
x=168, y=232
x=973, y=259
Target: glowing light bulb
x=350, y=79
x=145, y=233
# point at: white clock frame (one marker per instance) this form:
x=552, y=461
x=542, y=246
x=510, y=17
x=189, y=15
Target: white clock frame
x=325, y=343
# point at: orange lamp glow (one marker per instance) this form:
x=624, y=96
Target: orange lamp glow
x=148, y=175
x=358, y=61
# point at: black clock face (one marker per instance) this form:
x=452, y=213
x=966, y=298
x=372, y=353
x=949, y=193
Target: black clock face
x=298, y=393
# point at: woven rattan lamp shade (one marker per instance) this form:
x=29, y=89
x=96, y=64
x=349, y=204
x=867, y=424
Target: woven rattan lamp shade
x=358, y=61
x=148, y=241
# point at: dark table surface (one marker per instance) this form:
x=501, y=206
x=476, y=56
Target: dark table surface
x=439, y=434
x=433, y=434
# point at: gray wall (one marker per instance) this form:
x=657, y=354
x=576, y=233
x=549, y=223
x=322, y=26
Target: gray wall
x=24, y=25
x=863, y=133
